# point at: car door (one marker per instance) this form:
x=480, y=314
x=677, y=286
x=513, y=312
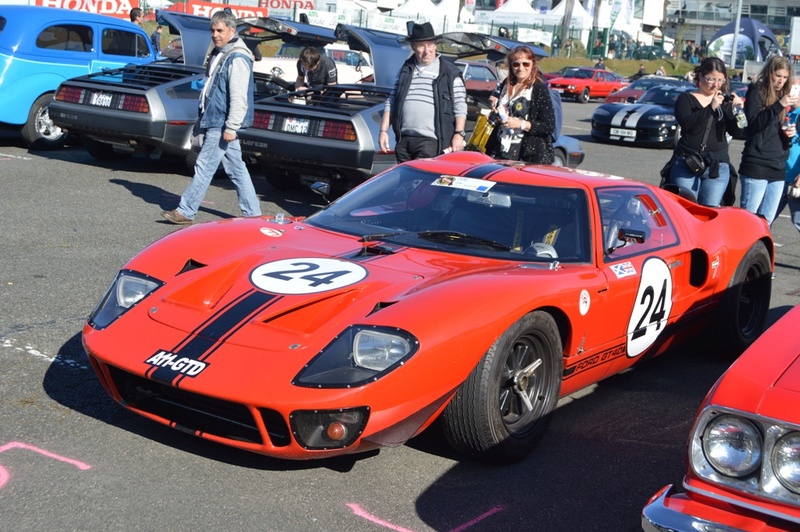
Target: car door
x=650, y=281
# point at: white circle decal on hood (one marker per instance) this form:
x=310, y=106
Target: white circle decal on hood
x=306, y=275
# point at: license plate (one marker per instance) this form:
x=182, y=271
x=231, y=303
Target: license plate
x=623, y=132
x=296, y=125
x=101, y=99
x=559, y=90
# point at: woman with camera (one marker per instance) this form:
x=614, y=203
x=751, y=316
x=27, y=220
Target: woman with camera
x=524, y=113
x=700, y=161
x=763, y=168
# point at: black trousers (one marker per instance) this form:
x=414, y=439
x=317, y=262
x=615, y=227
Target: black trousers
x=409, y=148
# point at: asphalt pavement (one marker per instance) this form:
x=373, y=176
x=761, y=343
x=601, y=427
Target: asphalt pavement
x=72, y=459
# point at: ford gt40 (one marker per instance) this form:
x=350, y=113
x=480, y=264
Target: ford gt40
x=458, y=289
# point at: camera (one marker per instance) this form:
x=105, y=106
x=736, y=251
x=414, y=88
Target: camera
x=727, y=97
x=494, y=118
x=792, y=192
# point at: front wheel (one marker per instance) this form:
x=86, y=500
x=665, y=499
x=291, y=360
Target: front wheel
x=583, y=97
x=742, y=314
x=39, y=132
x=502, y=410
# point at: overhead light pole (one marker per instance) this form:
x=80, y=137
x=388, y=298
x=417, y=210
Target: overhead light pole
x=734, y=49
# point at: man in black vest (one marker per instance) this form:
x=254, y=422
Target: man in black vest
x=427, y=108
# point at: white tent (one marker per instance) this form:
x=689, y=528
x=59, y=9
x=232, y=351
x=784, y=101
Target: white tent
x=449, y=8
x=514, y=11
x=421, y=9
x=580, y=17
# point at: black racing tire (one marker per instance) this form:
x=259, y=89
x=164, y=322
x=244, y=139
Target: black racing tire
x=39, y=131
x=101, y=151
x=559, y=157
x=742, y=314
x=488, y=418
x=583, y=97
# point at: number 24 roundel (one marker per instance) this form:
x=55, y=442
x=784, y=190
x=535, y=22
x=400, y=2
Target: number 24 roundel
x=651, y=308
x=306, y=275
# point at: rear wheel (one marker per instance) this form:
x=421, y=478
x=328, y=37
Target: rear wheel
x=504, y=407
x=583, y=97
x=742, y=313
x=39, y=132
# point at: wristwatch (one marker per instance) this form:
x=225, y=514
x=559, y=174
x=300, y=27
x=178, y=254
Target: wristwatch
x=462, y=133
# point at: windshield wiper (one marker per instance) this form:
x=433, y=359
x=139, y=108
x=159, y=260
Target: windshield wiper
x=442, y=235
x=457, y=236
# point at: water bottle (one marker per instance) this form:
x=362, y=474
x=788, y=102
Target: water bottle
x=786, y=124
x=741, y=118
x=501, y=110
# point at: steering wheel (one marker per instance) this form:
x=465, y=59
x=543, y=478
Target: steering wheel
x=545, y=250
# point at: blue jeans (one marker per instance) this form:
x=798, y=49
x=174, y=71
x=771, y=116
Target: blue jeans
x=794, y=208
x=709, y=191
x=760, y=196
x=214, y=151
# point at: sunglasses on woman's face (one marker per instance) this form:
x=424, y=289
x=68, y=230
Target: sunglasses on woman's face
x=517, y=64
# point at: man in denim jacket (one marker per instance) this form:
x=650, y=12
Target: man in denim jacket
x=226, y=105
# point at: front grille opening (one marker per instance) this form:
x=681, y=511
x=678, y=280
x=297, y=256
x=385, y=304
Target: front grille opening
x=190, y=410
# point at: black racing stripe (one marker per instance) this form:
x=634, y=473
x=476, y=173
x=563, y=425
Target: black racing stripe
x=203, y=342
x=484, y=171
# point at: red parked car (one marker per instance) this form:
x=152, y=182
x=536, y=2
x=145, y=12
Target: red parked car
x=584, y=83
x=744, y=449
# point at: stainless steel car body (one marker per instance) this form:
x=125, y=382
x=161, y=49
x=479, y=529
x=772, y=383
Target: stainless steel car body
x=151, y=109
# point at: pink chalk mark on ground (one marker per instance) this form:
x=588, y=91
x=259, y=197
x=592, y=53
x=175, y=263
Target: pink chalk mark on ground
x=5, y=475
x=360, y=512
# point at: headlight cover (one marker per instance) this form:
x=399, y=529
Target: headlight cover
x=601, y=112
x=128, y=289
x=732, y=445
x=359, y=355
x=786, y=461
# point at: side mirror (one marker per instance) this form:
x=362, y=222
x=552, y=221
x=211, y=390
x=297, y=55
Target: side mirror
x=322, y=188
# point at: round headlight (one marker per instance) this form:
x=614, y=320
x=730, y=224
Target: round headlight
x=732, y=445
x=786, y=461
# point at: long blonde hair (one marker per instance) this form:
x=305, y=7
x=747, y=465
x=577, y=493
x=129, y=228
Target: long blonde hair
x=764, y=80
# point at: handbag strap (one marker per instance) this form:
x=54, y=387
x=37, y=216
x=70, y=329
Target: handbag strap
x=705, y=135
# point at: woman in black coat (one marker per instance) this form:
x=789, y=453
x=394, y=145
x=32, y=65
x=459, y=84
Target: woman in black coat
x=527, y=120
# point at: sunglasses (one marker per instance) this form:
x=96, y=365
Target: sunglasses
x=525, y=64
x=712, y=81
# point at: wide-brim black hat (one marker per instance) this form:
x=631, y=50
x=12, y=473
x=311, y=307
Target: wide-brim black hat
x=419, y=32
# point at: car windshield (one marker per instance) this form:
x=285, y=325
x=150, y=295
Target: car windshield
x=665, y=96
x=578, y=73
x=415, y=208
x=644, y=84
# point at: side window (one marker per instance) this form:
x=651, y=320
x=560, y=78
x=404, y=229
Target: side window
x=486, y=74
x=72, y=37
x=126, y=43
x=633, y=222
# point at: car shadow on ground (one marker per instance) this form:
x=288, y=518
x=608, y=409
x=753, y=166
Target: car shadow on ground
x=71, y=382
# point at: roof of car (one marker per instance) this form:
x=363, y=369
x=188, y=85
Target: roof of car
x=25, y=16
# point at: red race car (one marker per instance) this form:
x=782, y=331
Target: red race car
x=458, y=288
x=584, y=83
x=744, y=449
